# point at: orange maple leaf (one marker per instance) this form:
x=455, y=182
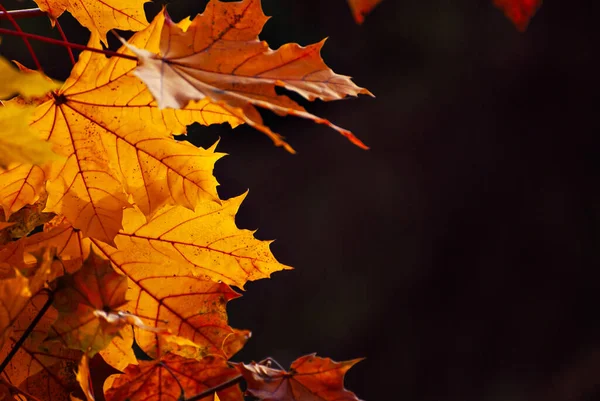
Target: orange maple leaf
x=176, y=378
x=204, y=243
x=310, y=379
x=220, y=57
x=519, y=11
x=100, y=16
x=84, y=301
x=104, y=104
x=43, y=370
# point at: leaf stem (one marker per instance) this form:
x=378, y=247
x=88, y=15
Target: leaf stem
x=231, y=382
x=18, y=28
x=28, y=330
x=25, y=13
x=10, y=32
x=64, y=38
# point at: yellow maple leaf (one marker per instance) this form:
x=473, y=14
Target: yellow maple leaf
x=204, y=242
x=20, y=185
x=117, y=143
x=23, y=81
x=220, y=57
x=20, y=143
x=100, y=16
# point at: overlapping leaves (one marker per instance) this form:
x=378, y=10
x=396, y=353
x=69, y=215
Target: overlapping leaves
x=118, y=234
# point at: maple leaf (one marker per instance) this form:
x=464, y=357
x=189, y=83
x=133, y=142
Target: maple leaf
x=45, y=371
x=23, y=81
x=19, y=143
x=519, y=11
x=360, y=8
x=116, y=143
x=220, y=58
x=15, y=293
x=204, y=243
x=310, y=378
x=100, y=16
x=174, y=377
x=81, y=300
x=71, y=248
x=20, y=185
x=17, y=287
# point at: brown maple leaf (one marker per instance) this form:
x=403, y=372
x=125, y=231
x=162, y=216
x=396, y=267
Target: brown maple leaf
x=174, y=377
x=310, y=378
x=43, y=370
x=86, y=301
x=220, y=57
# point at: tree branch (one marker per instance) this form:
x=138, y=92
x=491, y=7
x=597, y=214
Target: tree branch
x=10, y=32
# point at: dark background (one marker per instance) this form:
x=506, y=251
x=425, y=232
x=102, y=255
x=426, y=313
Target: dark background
x=459, y=254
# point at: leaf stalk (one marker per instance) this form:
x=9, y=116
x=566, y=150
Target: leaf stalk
x=18, y=29
x=24, y=13
x=72, y=45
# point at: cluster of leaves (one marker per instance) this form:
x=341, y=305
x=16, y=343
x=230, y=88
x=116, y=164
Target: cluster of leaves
x=518, y=11
x=112, y=232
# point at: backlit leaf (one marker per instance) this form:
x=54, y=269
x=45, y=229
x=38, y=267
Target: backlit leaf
x=19, y=143
x=116, y=143
x=220, y=57
x=44, y=370
x=96, y=287
x=174, y=377
x=310, y=378
x=20, y=185
x=25, y=82
x=100, y=16
x=205, y=243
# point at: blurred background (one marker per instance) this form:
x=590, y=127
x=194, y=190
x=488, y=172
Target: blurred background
x=459, y=254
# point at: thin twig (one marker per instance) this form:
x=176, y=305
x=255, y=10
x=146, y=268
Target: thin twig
x=65, y=44
x=64, y=38
x=18, y=28
x=28, y=330
x=212, y=390
x=25, y=13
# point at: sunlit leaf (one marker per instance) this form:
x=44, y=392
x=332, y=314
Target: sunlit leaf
x=221, y=58
x=205, y=243
x=19, y=143
x=174, y=377
x=100, y=16
x=24, y=82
